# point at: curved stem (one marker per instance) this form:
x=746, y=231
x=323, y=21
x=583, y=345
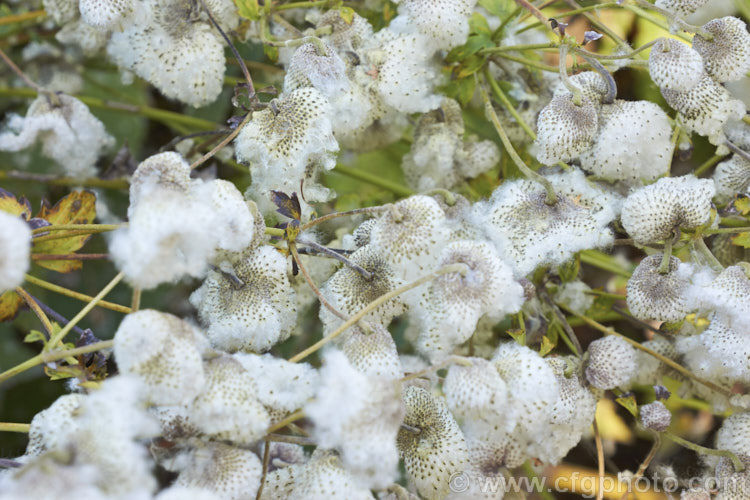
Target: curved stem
x=451, y=360
x=573, y=88
x=334, y=255
x=609, y=97
x=311, y=283
x=526, y=171
x=712, y=261
x=451, y=268
x=75, y=295
x=610, y=57
x=297, y=415
x=500, y=96
x=348, y=213
x=48, y=357
x=738, y=465
x=646, y=462
x=236, y=54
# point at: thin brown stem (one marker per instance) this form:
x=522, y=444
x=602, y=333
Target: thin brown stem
x=644, y=465
x=135, y=302
x=311, y=283
x=266, y=460
x=297, y=415
x=236, y=54
x=223, y=143
x=334, y=255
x=28, y=81
x=70, y=256
x=599, y=460
x=35, y=307
x=348, y=213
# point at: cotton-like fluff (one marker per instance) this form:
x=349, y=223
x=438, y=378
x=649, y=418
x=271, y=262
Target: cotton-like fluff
x=734, y=434
x=286, y=145
x=70, y=135
x=611, y=364
x=230, y=472
x=728, y=295
x=164, y=352
x=724, y=351
x=104, y=14
x=528, y=232
x=454, y=302
x=228, y=407
x=734, y=485
x=358, y=415
x=444, y=22
x=727, y=55
x=176, y=225
x=571, y=415
x=565, y=130
x=591, y=84
x=62, y=11
x=731, y=177
x=576, y=296
x=49, y=428
x=345, y=36
x=406, y=74
x=15, y=246
x=656, y=296
x=319, y=67
x=651, y=214
x=324, y=477
x=111, y=422
x=282, y=387
x=431, y=443
x=83, y=37
x=534, y=392
x=674, y=65
x=178, y=492
x=168, y=44
x=705, y=108
x=250, y=306
x=47, y=477
x=439, y=157
x=348, y=291
x=634, y=143
x=373, y=352
x=410, y=236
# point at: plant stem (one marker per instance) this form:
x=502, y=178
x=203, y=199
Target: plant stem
x=451, y=360
x=311, y=283
x=19, y=18
x=584, y=52
x=62, y=227
x=666, y=257
x=75, y=295
x=599, y=459
x=266, y=460
x=500, y=96
x=35, y=307
x=738, y=465
x=64, y=181
x=528, y=46
x=526, y=171
x=563, y=66
x=373, y=179
x=70, y=256
x=572, y=13
x=712, y=261
x=135, y=303
x=534, y=11
x=609, y=97
x=646, y=462
x=88, y=307
x=529, y=63
x=11, y=427
x=28, y=81
x=684, y=371
x=451, y=268
x=297, y=415
x=607, y=295
x=275, y=231
x=601, y=26
x=47, y=357
x=708, y=164
x=675, y=20
x=348, y=213
x=534, y=477
x=726, y=230
x=300, y=5
x=653, y=20
x=335, y=255
x=223, y=143
x=603, y=261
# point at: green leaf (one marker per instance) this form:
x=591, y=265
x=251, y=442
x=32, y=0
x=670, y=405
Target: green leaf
x=478, y=24
x=742, y=240
x=499, y=8
x=465, y=92
x=547, y=346
x=629, y=404
x=473, y=44
x=347, y=14
x=271, y=52
x=469, y=66
x=248, y=9
x=35, y=336
x=518, y=335
x=742, y=203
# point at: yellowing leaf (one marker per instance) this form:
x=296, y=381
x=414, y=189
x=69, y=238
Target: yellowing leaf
x=10, y=302
x=10, y=204
x=518, y=335
x=248, y=9
x=742, y=203
x=79, y=207
x=347, y=14
x=629, y=404
x=547, y=346
x=35, y=336
x=742, y=240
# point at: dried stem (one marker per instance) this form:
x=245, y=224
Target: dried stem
x=223, y=143
x=451, y=360
x=311, y=283
x=266, y=460
x=335, y=255
x=48, y=357
x=236, y=54
x=297, y=415
x=599, y=459
x=34, y=306
x=356, y=211
x=75, y=295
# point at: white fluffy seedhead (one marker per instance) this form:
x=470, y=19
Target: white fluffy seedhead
x=612, y=363
x=674, y=65
x=168, y=171
x=410, y=236
x=323, y=477
x=651, y=214
x=454, y=302
x=175, y=422
x=104, y=14
x=593, y=86
x=62, y=11
x=251, y=308
x=734, y=485
x=359, y=415
x=655, y=416
x=282, y=387
x=724, y=351
x=576, y=296
x=49, y=428
x=169, y=46
x=345, y=36
x=528, y=232
x=634, y=143
x=681, y=8
x=655, y=296
x=70, y=135
x=727, y=295
x=225, y=470
x=727, y=55
x=432, y=447
x=731, y=177
x=373, y=353
x=565, y=130
x=310, y=68
x=15, y=246
x=477, y=392
x=164, y=352
x=228, y=408
x=349, y=291
x=444, y=22
x=734, y=434
x=705, y=108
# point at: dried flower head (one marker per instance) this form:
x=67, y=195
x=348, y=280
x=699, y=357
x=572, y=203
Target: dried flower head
x=656, y=296
x=674, y=65
x=50, y=428
x=373, y=352
x=444, y=22
x=226, y=470
x=727, y=55
x=734, y=434
x=655, y=416
x=681, y=8
x=104, y=14
x=612, y=363
x=310, y=68
x=565, y=130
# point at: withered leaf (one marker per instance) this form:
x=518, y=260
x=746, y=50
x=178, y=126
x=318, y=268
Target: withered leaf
x=12, y=205
x=287, y=205
x=10, y=303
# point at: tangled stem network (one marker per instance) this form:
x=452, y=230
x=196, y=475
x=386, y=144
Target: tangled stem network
x=419, y=249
